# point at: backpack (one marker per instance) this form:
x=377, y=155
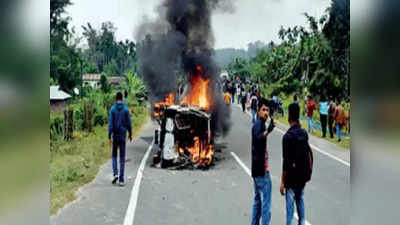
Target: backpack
x=117, y=123
x=303, y=161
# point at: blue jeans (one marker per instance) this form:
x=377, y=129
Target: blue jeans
x=310, y=127
x=338, y=131
x=118, y=145
x=253, y=115
x=292, y=196
x=262, y=200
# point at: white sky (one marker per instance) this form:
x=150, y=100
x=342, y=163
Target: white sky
x=252, y=20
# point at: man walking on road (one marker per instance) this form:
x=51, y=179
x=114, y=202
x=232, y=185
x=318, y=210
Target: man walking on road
x=243, y=99
x=297, y=166
x=118, y=123
x=323, y=114
x=259, y=166
x=331, y=111
x=310, y=112
x=339, y=117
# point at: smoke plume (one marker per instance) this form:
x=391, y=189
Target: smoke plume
x=172, y=46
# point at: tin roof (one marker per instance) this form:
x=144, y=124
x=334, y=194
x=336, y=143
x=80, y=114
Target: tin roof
x=91, y=76
x=57, y=94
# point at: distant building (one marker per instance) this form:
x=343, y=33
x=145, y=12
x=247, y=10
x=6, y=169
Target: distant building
x=58, y=99
x=115, y=81
x=91, y=79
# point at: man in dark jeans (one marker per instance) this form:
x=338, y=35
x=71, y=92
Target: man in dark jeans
x=118, y=123
x=259, y=166
x=291, y=184
x=323, y=114
x=331, y=111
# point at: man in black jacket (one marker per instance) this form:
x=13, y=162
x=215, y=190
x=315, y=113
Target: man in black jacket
x=292, y=184
x=259, y=166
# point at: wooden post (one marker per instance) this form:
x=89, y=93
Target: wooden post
x=68, y=124
x=88, y=115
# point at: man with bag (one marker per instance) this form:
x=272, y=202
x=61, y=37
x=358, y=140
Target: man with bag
x=297, y=166
x=119, y=122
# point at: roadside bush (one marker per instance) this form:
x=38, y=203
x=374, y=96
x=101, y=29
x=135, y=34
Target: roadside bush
x=100, y=115
x=56, y=126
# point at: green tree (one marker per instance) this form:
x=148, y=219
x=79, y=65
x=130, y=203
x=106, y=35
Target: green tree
x=134, y=85
x=64, y=58
x=105, y=86
x=111, y=69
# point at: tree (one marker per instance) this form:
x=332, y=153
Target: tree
x=111, y=69
x=304, y=60
x=105, y=86
x=134, y=85
x=58, y=23
x=337, y=31
x=105, y=51
x=64, y=58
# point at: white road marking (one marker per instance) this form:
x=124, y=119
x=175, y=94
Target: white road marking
x=312, y=146
x=241, y=163
x=247, y=170
x=130, y=212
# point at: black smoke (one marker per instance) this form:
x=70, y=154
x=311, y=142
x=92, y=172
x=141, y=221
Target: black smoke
x=171, y=47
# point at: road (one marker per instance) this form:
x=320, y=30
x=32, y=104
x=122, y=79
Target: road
x=221, y=195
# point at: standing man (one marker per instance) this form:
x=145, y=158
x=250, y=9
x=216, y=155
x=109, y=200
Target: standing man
x=339, y=118
x=239, y=92
x=296, y=166
x=310, y=112
x=118, y=123
x=253, y=107
x=125, y=101
x=243, y=99
x=295, y=101
x=259, y=166
x=331, y=112
x=233, y=90
x=323, y=114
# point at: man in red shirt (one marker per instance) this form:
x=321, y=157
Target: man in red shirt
x=310, y=111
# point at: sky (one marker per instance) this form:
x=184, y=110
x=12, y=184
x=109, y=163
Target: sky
x=251, y=20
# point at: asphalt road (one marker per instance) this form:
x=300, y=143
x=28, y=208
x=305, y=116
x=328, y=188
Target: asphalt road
x=221, y=195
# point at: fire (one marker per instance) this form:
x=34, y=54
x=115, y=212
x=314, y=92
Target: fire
x=200, y=150
x=201, y=153
x=199, y=94
x=169, y=100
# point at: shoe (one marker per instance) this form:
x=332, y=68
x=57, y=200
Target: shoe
x=114, y=180
x=122, y=183
x=339, y=140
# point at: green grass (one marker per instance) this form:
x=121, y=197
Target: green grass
x=345, y=143
x=77, y=162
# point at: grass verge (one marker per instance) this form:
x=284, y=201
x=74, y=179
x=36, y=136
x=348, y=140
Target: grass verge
x=77, y=162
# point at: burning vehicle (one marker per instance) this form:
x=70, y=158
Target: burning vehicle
x=176, y=61
x=185, y=136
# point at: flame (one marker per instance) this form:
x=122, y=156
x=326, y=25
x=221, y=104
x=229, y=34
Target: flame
x=169, y=100
x=200, y=152
x=199, y=94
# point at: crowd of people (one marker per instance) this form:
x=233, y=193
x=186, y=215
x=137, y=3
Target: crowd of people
x=333, y=117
